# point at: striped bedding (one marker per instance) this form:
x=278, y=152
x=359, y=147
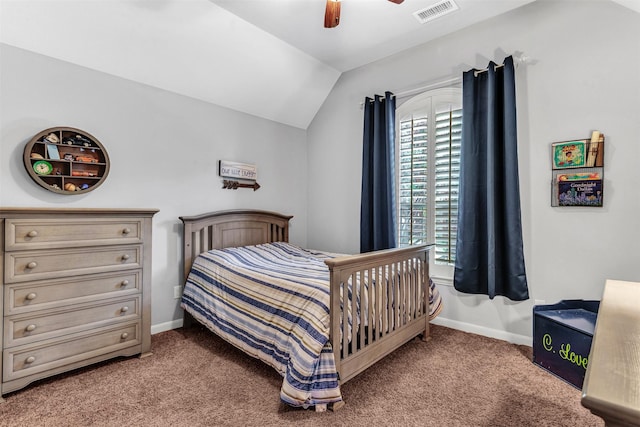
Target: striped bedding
x=272, y=302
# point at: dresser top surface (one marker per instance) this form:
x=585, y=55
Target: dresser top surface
x=27, y=211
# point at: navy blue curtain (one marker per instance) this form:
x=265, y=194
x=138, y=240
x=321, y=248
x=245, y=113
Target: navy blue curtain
x=489, y=254
x=378, y=204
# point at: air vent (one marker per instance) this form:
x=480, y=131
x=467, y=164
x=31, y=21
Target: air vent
x=435, y=11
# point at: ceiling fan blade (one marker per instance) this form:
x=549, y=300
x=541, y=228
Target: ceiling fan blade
x=396, y=1
x=332, y=14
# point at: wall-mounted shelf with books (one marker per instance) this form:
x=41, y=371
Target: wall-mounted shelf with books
x=66, y=160
x=578, y=172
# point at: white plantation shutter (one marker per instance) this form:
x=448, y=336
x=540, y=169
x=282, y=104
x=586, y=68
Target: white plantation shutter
x=412, y=217
x=447, y=174
x=428, y=144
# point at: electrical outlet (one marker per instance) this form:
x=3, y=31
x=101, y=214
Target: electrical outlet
x=177, y=292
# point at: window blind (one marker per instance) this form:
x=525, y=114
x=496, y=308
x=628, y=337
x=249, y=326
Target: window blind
x=422, y=177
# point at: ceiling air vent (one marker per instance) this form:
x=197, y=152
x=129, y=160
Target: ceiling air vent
x=435, y=11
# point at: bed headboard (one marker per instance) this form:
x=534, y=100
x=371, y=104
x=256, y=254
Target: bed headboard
x=230, y=228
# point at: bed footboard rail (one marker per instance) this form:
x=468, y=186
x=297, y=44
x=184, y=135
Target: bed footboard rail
x=392, y=289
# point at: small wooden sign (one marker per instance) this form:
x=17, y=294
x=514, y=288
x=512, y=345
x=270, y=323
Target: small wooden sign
x=234, y=185
x=237, y=170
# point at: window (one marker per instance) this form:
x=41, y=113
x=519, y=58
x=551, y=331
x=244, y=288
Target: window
x=428, y=155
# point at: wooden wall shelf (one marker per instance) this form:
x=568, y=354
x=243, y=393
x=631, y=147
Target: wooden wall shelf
x=66, y=160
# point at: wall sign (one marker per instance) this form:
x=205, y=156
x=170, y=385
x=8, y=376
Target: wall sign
x=238, y=171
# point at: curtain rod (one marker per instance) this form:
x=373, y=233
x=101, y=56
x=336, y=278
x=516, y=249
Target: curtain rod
x=416, y=90
x=477, y=72
x=517, y=60
x=435, y=85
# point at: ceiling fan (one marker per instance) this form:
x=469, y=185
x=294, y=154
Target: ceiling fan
x=332, y=12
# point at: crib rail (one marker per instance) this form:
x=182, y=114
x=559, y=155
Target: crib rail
x=392, y=288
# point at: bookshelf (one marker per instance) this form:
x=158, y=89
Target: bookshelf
x=578, y=172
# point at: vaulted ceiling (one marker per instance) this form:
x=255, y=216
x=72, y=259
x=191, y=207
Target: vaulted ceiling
x=268, y=58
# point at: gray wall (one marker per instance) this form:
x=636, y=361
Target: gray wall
x=585, y=75
x=163, y=148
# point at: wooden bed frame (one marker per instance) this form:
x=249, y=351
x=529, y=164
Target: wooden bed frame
x=407, y=284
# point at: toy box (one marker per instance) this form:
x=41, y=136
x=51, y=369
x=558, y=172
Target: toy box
x=562, y=335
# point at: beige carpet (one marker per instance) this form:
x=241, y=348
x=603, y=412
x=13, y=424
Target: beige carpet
x=196, y=379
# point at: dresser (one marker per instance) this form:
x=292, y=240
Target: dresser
x=611, y=387
x=76, y=289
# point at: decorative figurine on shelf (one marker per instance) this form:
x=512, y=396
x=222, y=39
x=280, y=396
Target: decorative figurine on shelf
x=86, y=159
x=70, y=187
x=68, y=156
x=52, y=138
x=82, y=173
x=78, y=140
x=84, y=186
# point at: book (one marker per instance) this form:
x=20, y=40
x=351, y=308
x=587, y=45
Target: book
x=578, y=176
x=600, y=153
x=570, y=154
x=580, y=192
x=53, y=152
x=593, y=148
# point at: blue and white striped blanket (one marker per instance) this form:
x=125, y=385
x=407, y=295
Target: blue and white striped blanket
x=272, y=302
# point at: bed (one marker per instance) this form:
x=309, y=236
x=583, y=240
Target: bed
x=286, y=305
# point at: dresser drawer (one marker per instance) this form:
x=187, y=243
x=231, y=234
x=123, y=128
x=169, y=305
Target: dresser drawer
x=31, y=359
x=37, y=265
x=24, y=329
x=25, y=234
x=46, y=294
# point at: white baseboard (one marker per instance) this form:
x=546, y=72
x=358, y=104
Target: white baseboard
x=166, y=326
x=453, y=324
x=481, y=330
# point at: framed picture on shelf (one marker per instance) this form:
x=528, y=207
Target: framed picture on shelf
x=570, y=154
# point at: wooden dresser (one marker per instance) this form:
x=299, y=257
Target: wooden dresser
x=76, y=289
x=611, y=387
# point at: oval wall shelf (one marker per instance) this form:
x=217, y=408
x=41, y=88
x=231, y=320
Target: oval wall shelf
x=66, y=160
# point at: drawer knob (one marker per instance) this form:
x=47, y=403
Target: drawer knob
x=30, y=359
x=32, y=265
x=30, y=328
x=32, y=233
x=126, y=231
x=32, y=296
x=124, y=309
x=124, y=335
x=124, y=283
x=125, y=257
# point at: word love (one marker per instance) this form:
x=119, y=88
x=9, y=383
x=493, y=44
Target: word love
x=565, y=352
